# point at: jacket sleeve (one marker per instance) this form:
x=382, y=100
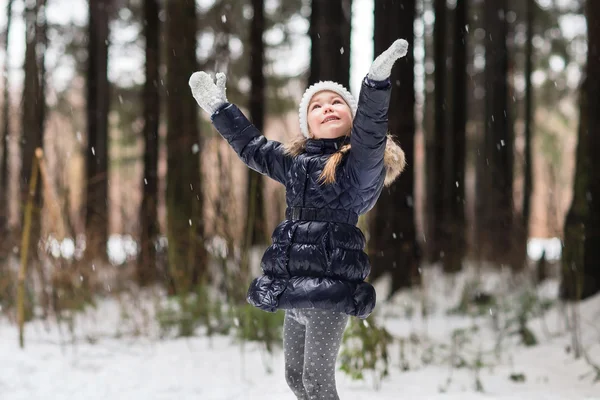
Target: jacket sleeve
x=369, y=135
x=255, y=150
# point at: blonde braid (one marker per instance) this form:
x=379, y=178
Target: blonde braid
x=328, y=174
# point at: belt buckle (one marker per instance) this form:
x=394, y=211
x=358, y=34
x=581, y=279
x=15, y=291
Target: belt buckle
x=295, y=213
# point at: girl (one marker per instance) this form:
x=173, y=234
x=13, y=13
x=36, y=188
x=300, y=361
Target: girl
x=316, y=267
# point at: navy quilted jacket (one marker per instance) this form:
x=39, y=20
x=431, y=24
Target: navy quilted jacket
x=317, y=258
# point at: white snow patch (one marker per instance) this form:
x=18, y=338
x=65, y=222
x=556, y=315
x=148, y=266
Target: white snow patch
x=104, y=358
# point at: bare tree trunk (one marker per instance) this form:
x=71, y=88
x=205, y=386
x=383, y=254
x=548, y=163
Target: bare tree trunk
x=32, y=118
x=185, y=223
x=256, y=232
x=435, y=146
x=495, y=188
x=393, y=246
x=477, y=118
x=330, y=37
x=528, y=174
x=521, y=220
x=146, y=263
x=5, y=134
x=97, y=125
x=572, y=257
x=428, y=127
x=592, y=226
x=454, y=240
x=42, y=45
x=5, y=235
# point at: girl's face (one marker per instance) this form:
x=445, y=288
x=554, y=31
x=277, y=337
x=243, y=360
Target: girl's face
x=329, y=116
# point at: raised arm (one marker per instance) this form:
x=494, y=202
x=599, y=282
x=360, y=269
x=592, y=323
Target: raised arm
x=369, y=131
x=255, y=150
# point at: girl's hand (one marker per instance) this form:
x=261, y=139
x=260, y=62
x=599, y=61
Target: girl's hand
x=381, y=68
x=208, y=95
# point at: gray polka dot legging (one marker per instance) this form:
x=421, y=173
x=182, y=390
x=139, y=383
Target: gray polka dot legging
x=311, y=342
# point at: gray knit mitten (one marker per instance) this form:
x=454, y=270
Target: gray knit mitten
x=381, y=68
x=208, y=95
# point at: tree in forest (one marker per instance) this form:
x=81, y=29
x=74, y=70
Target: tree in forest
x=445, y=146
x=528, y=162
x=149, y=229
x=454, y=150
x=256, y=233
x=98, y=95
x=580, y=255
x=5, y=135
x=330, y=28
x=434, y=141
x=187, y=256
x=521, y=220
x=393, y=247
x=591, y=258
x=494, y=205
x=33, y=111
x=572, y=256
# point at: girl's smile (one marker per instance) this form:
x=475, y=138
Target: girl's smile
x=330, y=118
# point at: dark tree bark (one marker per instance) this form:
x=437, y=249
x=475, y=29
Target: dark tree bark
x=330, y=37
x=185, y=224
x=256, y=230
x=393, y=246
x=591, y=258
x=494, y=198
x=146, y=263
x=33, y=104
x=97, y=126
x=435, y=142
x=454, y=152
x=572, y=257
x=5, y=133
x=42, y=40
x=528, y=173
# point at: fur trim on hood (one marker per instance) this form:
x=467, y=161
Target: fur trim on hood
x=394, y=160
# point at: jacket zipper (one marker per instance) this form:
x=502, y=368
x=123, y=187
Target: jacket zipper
x=305, y=183
x=328, y=248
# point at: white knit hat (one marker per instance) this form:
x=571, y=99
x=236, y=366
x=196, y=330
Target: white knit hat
x=319, y=87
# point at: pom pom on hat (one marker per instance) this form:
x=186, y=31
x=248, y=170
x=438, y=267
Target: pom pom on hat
x=319, y=87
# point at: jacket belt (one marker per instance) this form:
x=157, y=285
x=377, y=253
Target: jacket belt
x=321, y=214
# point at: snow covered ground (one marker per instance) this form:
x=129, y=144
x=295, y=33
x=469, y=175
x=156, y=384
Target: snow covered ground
x=103, y=360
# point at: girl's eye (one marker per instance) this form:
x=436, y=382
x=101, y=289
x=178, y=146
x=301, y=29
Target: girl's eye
x=336, y=102
x=315, y=106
